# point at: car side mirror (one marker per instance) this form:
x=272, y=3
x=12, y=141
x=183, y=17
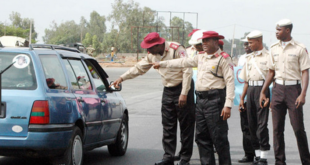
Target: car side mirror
x=114, y=88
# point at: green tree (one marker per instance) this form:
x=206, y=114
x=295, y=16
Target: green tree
x=180, y=34
x=96, y=44
x=23, y=23
x=66, y=33
x=125, y=18
x=97, y=25
x=87, y=40
x=109, y=40
x=83, y=28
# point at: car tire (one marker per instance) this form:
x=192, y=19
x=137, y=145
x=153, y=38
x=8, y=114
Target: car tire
x=74, y=153
x=119, y=148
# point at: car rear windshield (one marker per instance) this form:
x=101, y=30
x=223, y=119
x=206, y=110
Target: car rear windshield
x=20, y=75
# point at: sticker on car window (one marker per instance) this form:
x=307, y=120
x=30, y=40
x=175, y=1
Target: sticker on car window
x=21, y=61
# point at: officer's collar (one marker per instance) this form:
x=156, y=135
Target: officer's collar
x=216, y=54
x=292, y=41
x=257, y=53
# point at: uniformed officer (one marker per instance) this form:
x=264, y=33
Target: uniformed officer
x=215, y=93
x=289, y=64
x=178, y=96
x=249, y=152
x=254, y=74
x=242, y=58
x=196, y=42
x=191, y=49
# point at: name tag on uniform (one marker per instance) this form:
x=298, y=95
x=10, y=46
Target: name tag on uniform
x=292, y=55
x=263, y=63
x=275, y=55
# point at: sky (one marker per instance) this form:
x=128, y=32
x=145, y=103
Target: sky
x=222, y=16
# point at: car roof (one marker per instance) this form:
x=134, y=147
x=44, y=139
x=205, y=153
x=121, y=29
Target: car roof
x=41, y=48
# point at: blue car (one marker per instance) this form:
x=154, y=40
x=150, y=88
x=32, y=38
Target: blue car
x=56, y=102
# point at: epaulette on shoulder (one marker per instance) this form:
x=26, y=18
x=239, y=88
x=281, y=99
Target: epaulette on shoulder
x=225, y=55
x=300, y=44
x=274, y=44
x=174, y=46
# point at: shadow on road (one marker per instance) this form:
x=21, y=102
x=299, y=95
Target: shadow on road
x=97, y=157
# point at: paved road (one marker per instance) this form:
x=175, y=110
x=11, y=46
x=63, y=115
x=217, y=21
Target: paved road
x=143, y=98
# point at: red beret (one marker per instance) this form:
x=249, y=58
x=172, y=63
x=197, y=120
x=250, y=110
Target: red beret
x=191, y=33
x=211, y=34
x=151, y=40
x=221, y=42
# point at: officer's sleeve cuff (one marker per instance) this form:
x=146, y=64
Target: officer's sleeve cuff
x=124, y=76
x=228, y=103
x=163, y=64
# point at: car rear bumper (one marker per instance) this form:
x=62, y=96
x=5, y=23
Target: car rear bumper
x=45, y=141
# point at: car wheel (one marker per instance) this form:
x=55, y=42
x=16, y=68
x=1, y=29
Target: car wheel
x=74, y=154
x=119, y=148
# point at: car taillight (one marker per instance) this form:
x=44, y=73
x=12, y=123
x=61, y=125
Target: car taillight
x=40, y=113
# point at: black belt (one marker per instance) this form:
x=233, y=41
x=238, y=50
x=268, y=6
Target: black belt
x=209, y=93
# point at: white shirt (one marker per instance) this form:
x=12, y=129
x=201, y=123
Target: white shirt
x=242, y=59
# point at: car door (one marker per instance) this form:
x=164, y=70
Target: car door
x=111, y=106
x=86, y=98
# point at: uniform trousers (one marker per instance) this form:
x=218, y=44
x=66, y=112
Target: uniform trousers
x=246, y=139
x=171, y=114
x=258, y=119
x=211, y=129
x=284, y=98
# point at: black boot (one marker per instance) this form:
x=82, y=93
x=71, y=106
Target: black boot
x=256, y=160
x=164, y=162
x=246, y=159
x=183, y=162
x=262, y=162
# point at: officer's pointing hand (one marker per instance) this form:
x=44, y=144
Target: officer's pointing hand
x=116, y=83
x=226, y=113
x=155, y=65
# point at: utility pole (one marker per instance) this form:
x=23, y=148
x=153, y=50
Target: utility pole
x=30, y=33
x=232, y=44
x=138, y=44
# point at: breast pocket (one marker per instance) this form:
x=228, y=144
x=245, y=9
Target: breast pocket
x=292, y=60
x=263, y=66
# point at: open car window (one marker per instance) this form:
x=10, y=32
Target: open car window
x=99, y=82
